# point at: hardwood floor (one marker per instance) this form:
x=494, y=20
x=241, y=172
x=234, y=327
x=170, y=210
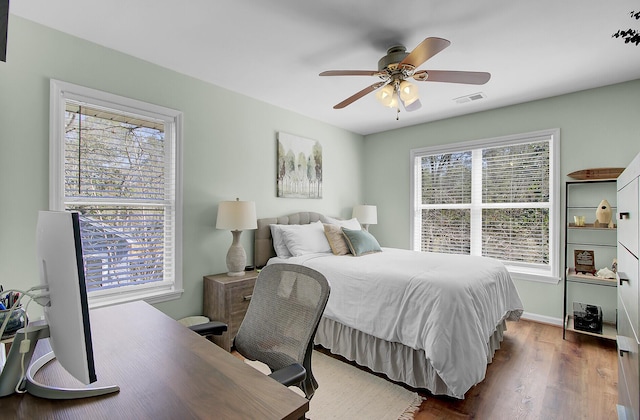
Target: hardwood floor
x=538, y=375
x=535, y=375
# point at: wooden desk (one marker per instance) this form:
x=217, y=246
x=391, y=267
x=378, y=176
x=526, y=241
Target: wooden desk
x=165, y=371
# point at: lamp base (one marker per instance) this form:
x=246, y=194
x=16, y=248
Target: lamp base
x=236, y=257
x=236, y=273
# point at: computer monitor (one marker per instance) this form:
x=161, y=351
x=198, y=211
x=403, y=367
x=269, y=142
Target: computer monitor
x=66, y=323
x=59, y=250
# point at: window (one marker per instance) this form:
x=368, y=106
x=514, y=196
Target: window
x=496, y=198
x=116, y=161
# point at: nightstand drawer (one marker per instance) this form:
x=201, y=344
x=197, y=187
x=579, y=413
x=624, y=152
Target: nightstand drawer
x=240, y=296
x=227, y=299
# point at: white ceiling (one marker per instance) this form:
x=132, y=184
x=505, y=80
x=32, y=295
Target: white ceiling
x=274, y=50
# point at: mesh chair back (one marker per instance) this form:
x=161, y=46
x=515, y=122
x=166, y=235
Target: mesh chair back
x=283, y=315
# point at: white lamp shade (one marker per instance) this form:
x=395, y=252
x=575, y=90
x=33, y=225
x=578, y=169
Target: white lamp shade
x=366, y=214
x=237, y=215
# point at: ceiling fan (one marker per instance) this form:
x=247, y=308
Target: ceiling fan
x=399, y=65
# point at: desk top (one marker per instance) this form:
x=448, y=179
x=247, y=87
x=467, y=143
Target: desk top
x=165, y=371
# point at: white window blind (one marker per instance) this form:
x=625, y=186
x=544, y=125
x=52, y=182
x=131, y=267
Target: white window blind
x=118, y=168
x=516, y=179
x=494, y=198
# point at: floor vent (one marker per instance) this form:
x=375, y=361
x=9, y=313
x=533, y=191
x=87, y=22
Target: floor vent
x=470, y=98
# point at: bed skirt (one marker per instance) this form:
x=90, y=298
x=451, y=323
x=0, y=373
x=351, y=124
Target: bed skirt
x=398, y=362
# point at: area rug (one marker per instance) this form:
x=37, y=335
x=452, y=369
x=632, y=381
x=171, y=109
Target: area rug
x=346, y=392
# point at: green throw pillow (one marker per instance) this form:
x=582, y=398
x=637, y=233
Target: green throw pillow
x=360, y=242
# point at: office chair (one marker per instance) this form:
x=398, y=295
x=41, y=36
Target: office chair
x=281, y=322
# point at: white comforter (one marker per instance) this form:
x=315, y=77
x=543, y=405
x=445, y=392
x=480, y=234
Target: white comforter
x=446, y=305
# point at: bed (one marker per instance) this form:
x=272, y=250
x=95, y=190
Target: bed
x=431, y=321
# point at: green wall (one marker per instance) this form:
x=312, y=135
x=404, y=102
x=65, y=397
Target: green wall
x=229, y=150
x=598, y=128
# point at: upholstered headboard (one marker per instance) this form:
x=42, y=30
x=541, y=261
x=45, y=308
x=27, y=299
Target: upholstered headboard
x=263, y=249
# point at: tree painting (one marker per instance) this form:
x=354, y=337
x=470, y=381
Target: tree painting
x=299, y=167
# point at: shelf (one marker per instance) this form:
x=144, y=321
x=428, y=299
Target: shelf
x=609, y=330
x=589, y=207
x=592, y=226
x=584, y=244
x=588, y=181
x=589, y=279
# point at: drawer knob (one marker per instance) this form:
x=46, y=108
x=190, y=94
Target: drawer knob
x=248, y=297
x=623, y=351
x=624, y=215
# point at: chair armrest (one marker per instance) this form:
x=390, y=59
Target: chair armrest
x=290, y=375
x=209, y=328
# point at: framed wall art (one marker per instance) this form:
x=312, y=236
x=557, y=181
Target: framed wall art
x=299, y=167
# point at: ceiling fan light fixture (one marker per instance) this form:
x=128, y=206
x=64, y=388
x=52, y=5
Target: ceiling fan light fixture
x=387, y=97
x=408, y=92
x=397, y=66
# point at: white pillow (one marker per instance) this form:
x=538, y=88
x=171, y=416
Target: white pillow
x=352, y=224
x=305, y=239
x=278, y=241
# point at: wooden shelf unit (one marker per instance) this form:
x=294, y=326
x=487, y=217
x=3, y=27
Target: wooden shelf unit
x=598, y=237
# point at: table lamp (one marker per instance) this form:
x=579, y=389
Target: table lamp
x=236, y=216
x=366, y=215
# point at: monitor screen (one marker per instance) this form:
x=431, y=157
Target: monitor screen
x=4, y=25
x=59, y=253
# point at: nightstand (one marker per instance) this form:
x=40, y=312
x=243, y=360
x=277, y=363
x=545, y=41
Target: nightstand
x=226, y=299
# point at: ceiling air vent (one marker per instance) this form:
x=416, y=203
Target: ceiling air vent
x=470, y=98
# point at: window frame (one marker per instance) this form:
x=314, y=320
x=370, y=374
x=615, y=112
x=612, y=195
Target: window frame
x=550, y=275
x=60, y=92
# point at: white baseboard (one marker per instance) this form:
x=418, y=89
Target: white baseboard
x=542, y=319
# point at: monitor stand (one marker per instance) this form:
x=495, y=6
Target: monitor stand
x=12, y=372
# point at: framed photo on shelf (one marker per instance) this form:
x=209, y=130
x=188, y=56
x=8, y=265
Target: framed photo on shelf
x=585, y=261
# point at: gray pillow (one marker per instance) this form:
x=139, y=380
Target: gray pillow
x=361, y=242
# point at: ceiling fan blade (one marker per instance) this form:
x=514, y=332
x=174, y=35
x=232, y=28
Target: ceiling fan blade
x=450, y=76
x=359, y=95
x=350, y=73
x=424, y=51
x=415, y=105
